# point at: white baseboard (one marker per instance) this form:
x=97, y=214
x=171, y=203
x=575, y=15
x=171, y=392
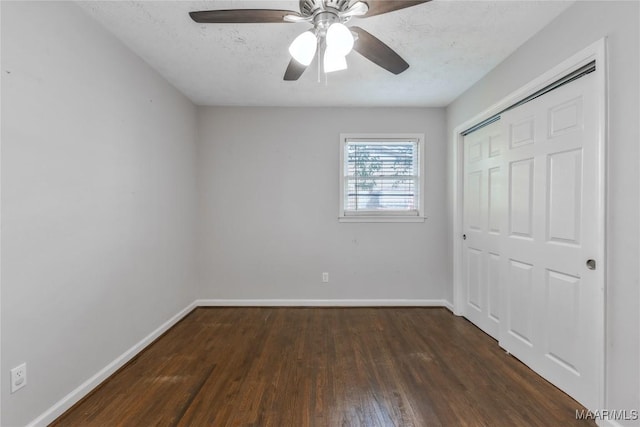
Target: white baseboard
x=321, y=303
x=449, y=306
x=72, y=398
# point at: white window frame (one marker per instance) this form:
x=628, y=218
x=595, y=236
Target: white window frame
x=393, y=216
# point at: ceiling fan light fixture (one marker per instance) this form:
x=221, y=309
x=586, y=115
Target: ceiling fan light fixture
x=334, y=60
x=340, y=39
x=303, y=48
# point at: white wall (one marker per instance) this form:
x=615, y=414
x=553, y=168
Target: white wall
x=269, y=185
x=576, y=28
x=98, y=201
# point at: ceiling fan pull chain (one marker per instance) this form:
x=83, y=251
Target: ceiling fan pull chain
x=319, y=65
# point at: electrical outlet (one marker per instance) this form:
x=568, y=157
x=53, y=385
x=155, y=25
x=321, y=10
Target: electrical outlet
x=325, y=277
x=18, y=377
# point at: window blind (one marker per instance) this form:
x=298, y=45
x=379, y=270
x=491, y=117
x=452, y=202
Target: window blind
x=381, y=176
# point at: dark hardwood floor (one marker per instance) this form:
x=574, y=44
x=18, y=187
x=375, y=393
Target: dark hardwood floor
x=324, y=367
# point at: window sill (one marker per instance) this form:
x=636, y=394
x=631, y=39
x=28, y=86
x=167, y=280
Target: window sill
x=380, y=218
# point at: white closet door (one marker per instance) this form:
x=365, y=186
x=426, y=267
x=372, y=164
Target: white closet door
x=552, y=299
x=484, y=197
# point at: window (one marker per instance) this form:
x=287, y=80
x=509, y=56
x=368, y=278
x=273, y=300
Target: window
x=381, y=178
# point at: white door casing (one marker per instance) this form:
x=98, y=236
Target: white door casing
x=551, y=228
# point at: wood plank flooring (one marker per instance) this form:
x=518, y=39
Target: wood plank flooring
x=324, y=367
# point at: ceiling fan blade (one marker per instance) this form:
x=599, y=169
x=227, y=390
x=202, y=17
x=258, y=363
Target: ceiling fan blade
x=294, y=70
x=241, y=16
x=377, y=52
x=378, y=7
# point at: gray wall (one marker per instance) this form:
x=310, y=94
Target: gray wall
x=98, y=201
x=576, y=28
x=268, y=185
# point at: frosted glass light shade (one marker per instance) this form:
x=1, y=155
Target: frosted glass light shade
x=303, y=48
x=334, y=60
x=339, y=37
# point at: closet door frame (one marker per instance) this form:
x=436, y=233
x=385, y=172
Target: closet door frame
x=597, y=52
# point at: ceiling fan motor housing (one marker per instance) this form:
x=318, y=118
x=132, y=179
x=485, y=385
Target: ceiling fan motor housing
x=310, y=7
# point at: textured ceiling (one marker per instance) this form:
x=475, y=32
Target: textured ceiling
x=449, y=44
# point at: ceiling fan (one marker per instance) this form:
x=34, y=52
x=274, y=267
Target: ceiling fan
x=329, y=35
